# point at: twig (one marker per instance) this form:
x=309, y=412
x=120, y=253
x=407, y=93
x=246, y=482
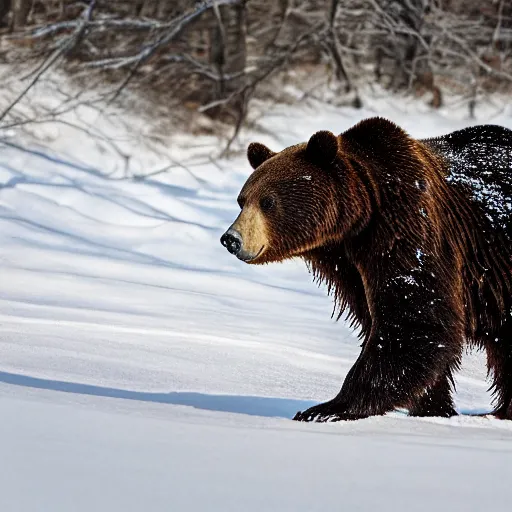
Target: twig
x=66, y=46
x=177, y=29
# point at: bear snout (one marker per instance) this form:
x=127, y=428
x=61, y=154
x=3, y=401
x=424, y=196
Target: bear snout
x=232, y=241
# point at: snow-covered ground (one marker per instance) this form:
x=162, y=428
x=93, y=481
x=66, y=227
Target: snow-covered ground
x=142, y=367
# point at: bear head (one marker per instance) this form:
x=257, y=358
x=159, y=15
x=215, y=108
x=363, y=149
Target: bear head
x=299, y=199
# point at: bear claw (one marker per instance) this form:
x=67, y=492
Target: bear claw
x=326, y=413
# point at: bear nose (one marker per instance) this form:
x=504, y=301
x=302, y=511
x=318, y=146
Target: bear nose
x=232, y=241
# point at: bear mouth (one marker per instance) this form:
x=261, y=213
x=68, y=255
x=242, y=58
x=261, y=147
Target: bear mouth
x=247, y=258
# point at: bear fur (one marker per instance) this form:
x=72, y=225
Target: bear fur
x=413, y=240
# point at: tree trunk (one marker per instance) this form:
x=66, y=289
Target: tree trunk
x=228, y=47
x=21, y=10
x=162, y=9
x=5, y=7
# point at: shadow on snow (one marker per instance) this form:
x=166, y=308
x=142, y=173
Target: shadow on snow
x=252, y=405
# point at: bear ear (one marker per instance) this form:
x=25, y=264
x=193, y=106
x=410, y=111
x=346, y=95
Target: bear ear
x=257, y=153
x=322, y=148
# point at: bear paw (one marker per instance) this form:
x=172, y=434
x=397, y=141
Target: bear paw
x=327, y=412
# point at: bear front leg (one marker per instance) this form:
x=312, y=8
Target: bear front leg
x=416, y=335
x=392, y=372
x=333, y=410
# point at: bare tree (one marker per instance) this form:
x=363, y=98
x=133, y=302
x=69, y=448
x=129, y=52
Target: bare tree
x=214, y=56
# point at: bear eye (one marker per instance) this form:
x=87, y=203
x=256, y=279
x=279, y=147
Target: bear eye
x=267, y=203
x=241, y=202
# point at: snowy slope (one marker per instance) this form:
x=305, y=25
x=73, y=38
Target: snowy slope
x=143, y=367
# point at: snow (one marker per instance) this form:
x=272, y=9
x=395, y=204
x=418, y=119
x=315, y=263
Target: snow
x=144, y=367
x=107, y=454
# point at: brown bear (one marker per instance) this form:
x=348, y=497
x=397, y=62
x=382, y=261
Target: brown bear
x=412, y=238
